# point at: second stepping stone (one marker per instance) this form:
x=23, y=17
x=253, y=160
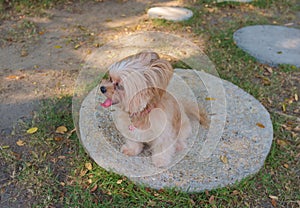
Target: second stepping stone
x=170, y=13
x=270, y=44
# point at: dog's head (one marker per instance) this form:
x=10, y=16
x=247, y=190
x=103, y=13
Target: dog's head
x=136, y=81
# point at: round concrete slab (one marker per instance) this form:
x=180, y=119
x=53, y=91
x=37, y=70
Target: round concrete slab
x=270, y=44
x=170, y=13
x=235, y=145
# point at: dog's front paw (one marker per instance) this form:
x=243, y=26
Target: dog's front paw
x=132, y=149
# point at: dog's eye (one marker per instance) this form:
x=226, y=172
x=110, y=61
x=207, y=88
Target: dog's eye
x=119, y=87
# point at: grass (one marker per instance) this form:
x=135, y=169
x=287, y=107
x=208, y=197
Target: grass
x=56, y=171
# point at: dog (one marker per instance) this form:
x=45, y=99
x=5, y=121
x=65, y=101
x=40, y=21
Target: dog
x=145, y=112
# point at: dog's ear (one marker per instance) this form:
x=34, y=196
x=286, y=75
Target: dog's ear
x=146, y=57
x=159, y=74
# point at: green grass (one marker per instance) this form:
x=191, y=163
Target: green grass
x=54, y=169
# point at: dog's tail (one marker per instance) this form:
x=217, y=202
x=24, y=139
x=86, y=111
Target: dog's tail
x=195, y=110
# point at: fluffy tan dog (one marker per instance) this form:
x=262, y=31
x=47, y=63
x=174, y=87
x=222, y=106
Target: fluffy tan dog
x=145, y=112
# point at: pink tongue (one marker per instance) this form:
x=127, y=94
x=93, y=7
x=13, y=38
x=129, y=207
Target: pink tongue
x=107, y=103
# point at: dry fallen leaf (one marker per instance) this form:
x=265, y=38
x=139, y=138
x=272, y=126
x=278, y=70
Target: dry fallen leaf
x=83, y=172
x=32, y=130
x=266, y=81
x=284, y=107
x=77, y=46
x=20, y=143
x=57, y=46
x=224, y=159
x=274, y=202
x=268, y=69
x=235, y=192
x=296, y=97
x=286, y=165
x=211, y=199
x=281, y=142
x=4, y=147
x=89, y=51
x=210, y=98
x=88, y=166
x=119, y=181
x=94, y=188
x=273, y=197
x=58, y=139
x=15, y=77
x=24, y=53
x=61, y=130
x=260, y=125
x=288, y=128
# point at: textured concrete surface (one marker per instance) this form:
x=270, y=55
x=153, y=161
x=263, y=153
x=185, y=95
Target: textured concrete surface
x=270, y=44
x=170, y=13
x=235, y=145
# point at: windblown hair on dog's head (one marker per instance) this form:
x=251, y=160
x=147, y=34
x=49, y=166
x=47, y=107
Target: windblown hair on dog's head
x=144, y=77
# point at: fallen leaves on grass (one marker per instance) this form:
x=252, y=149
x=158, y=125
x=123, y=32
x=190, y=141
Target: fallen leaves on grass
x=88, y=166
x=20, y=143
x=83, y=172
x=296, y=97
x=58, y=139
x=281, y=142
x=4, y=147
x=94, y=188
x=32, y=130
x=283, y=107
x=211, y=199
x=273, y=200
x=61, y=130
x=273, y=197
x=235, y=192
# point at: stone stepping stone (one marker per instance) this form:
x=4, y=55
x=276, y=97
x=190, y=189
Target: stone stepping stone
x=235, y=145
x=270, y=44
x=170, y=13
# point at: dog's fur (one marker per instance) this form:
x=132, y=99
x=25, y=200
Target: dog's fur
x=146, y=112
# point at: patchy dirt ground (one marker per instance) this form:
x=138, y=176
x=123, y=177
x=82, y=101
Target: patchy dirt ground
x=41, y=56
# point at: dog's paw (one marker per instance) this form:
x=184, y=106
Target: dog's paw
x=131, y=150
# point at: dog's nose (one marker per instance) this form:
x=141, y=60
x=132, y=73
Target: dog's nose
x=103, y=89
